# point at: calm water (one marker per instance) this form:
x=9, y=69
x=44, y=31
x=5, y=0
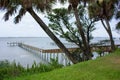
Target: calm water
x=20, y=55
x=24, y=57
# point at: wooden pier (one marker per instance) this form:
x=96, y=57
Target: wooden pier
x=47, y=54
x=104, y=48
x=12, y=43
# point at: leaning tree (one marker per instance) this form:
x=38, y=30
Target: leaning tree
x=22, y=6
x=63, y=24
x=73, y=6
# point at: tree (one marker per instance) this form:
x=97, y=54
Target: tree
x=73, y=6
x=105, y=12
x=117, y=17
x=11, y=7
x=63, y=24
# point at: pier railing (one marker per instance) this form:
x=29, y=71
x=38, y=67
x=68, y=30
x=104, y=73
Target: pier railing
x=13, y=43
x=46, y=55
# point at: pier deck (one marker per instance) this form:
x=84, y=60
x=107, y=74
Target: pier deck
x=13, y=43
x=47, y=54
x=104, y=48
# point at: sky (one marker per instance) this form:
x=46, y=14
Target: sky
x=29, y=28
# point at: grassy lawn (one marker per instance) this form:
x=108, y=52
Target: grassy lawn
x=104, y=68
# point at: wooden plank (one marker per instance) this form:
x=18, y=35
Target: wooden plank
x=93, y=48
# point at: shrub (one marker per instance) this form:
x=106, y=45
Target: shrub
x=8, y=70
x=4, y=64
x=55, y=64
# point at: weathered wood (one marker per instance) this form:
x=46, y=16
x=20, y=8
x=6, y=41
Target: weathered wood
x=47, y=54
x=104, y=48
x=29, y=47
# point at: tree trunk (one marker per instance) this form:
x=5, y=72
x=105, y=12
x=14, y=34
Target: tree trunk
x=110, y=35
x=51, y=35
x=108, y=29
x=88, y=34
x=86, y=50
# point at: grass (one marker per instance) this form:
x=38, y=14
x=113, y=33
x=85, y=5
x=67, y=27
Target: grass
x=104, y=68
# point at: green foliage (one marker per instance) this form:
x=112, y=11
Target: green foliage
x=104, y=68
x=63, y=24
x=4, y=64
x=118, y=26
x=38, y=68
x=103, y=9
x=9, y=70
x=77, y=54
x=54, y=63
x=99, y=51
x=117, y=16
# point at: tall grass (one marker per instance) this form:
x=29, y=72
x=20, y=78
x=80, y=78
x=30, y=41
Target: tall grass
x=102, y=68
x=9, y=70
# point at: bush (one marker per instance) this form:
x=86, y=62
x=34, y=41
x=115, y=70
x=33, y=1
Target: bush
x=55, y=64
x=4, y=64
x=8, y=70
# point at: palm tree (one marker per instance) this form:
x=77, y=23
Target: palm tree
x=61, y=17
x=73, y=5
x=105, y=12
x=11, y=6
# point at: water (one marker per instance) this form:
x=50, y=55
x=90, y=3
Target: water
x=20, y=55
x=24, y=57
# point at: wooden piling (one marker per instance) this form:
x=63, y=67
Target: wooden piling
x=47, y=54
